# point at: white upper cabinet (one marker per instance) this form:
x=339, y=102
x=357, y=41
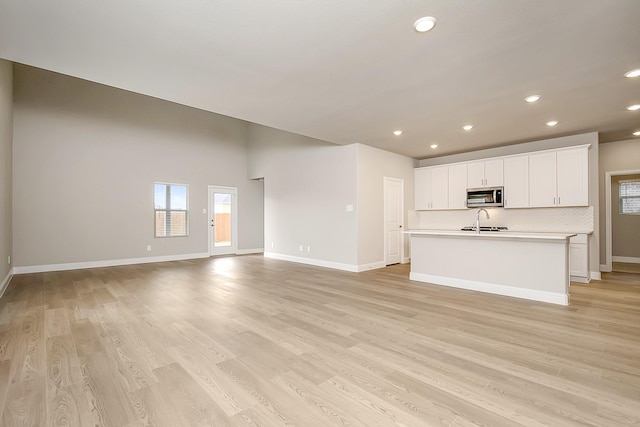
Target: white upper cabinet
x=550, y=178
x=542, y=179
x=431, y=187
x=573, y=177
x=559, y=178
x=485, y=173
x=421, y=189
x=516, y=182
x=458, y=186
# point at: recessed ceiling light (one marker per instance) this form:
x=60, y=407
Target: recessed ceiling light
x=633, y=107
x=424, y=24
x=532, y=98
x=434, y=146
x=633, y=73
x=467, y=127
x=397, y=132
x=552, y=123
x=636, y=133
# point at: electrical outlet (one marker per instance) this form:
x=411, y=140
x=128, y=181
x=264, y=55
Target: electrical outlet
x=148, y=248
x=308, y=248
x=272, y=245
x=301, y=248
x=9, y=260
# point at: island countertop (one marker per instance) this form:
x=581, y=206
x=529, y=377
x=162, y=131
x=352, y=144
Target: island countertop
x=492, y=234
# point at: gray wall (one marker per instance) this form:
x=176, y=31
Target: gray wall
x=625, y=228
x=307, y=185
x=85, y=160
x=6, y=135
x=373, y=166
x=617, y=156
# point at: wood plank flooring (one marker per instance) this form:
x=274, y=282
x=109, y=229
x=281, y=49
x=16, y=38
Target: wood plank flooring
x=249, y=341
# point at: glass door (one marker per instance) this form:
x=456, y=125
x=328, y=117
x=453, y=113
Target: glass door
x=222, y=220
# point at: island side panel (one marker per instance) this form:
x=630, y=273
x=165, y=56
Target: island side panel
x=536, y=269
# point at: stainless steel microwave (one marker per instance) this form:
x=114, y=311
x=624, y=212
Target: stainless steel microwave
x=485, y=197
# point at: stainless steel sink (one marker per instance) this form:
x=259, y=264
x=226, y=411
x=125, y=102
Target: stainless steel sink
x=472, y=228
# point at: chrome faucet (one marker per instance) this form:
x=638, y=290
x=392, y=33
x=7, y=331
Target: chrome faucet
x=478, y=219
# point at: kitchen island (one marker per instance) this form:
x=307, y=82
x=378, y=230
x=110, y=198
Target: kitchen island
x=525, y=265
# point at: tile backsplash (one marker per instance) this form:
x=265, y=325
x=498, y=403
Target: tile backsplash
x=570, y=220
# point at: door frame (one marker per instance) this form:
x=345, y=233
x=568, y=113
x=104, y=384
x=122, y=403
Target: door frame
x=233, y=248
x=608, y=237
x=385, y=180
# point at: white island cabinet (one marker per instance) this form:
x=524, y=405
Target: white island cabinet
x=533, y=266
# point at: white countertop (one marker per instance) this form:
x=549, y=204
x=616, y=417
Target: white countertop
x=491, y=234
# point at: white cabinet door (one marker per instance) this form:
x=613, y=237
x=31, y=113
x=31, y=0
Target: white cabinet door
x=440, y=187
x=421, y=191
x=431, y=188
x=494, y=173
x=559, y=178
x=475, y=174
x=573, y=181
x=516, y=182
x=486, y=173
x=542, y=180
x=458, y=186
x=579, y=258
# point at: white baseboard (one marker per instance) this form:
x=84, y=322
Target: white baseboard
x=531, y=294
x=5, y=282
x=629, y=259
x=605, y=268
x=249, y=251
x=328, y=264
x=107, y=263
x=311, y=261
x=580, y=279
x=371, y=266
x=595, y=275
x=406, y=260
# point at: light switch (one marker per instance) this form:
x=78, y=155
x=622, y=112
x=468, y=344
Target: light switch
x=349, y=208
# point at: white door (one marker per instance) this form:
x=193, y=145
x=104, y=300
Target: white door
x=222, y=220
x=393, y=214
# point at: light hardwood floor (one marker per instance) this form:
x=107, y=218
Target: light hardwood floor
x=249, y=341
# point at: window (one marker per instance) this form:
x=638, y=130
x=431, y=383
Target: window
x=630, y=197
x=170, y=203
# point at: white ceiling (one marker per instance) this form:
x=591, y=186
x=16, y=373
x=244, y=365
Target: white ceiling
x=350, y=71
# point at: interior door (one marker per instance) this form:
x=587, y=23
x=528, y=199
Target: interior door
x=222, y=220
x=393, y=215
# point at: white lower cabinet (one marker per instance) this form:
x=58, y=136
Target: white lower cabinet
x=579, y=258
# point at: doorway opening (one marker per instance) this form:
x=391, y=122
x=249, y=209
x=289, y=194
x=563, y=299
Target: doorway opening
x=609, y=212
